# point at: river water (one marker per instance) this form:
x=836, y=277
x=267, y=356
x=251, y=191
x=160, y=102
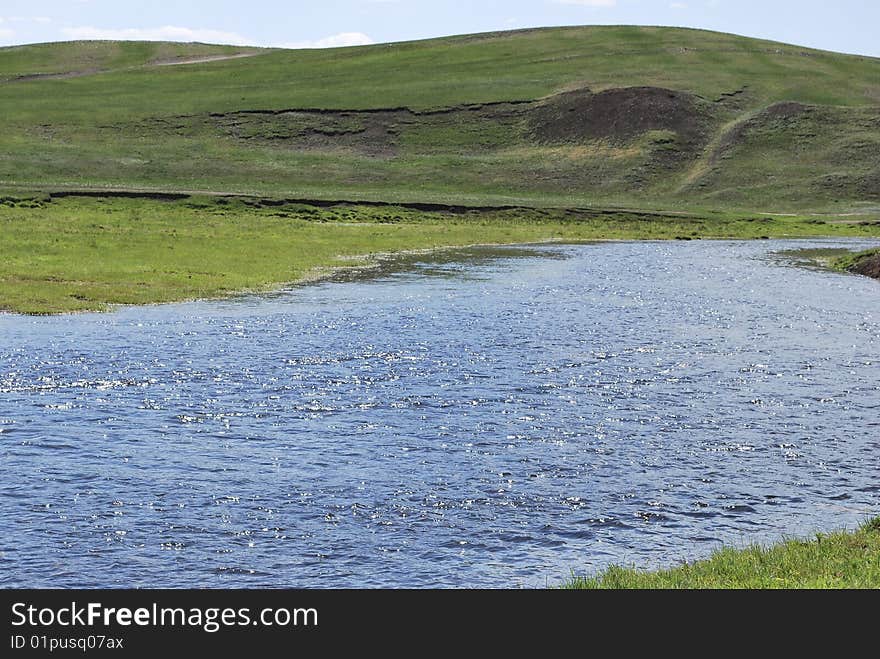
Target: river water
x=478, y=418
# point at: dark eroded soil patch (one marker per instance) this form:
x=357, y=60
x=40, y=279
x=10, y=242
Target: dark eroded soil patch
x=618, y=115
x=868, y=266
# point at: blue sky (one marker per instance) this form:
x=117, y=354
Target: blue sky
x=843, y=25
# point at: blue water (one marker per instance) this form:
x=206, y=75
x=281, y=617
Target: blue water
x=480, y=418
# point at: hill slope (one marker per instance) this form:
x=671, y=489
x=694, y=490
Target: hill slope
x=73, y=59
x=622, y=116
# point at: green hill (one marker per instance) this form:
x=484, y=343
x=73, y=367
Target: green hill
x=152, y=172
x=603, y=116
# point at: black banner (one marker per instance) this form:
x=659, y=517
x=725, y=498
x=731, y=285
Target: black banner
x=119, y=622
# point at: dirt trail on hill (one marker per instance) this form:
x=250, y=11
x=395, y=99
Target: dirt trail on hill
x=199, y=60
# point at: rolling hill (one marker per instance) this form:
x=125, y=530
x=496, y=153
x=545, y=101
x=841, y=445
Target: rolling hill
x=637, y=117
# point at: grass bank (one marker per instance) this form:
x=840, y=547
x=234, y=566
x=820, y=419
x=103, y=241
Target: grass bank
x=833, y=560
x=63, y=254
x=863, y=263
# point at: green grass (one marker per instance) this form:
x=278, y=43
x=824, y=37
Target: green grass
x=126, y=123
x=76, y=254
x=833, y=560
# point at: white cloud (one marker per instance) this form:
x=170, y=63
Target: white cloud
x=678, y=5
x=588, y=3
x=334, y=41
x=165, y=33
x=6, y=33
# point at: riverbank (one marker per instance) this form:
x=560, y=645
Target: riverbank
x=88, y=253
x=865, y=263
x=833, y=560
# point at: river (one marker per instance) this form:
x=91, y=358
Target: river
x=495, y=417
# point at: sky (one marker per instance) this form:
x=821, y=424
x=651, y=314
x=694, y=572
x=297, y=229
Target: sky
x=850, y=26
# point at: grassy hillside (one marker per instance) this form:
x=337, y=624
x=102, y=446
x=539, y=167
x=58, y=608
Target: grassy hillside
x=604, y=116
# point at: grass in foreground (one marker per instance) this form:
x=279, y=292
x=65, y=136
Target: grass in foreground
x=835, y=560
x=77, y=254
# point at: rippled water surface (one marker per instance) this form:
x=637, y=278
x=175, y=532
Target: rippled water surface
x=487, y=418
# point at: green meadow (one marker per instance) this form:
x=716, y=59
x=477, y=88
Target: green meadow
x=75, y=253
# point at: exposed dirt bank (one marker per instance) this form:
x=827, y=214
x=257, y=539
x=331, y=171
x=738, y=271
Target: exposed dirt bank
x=868, y=266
